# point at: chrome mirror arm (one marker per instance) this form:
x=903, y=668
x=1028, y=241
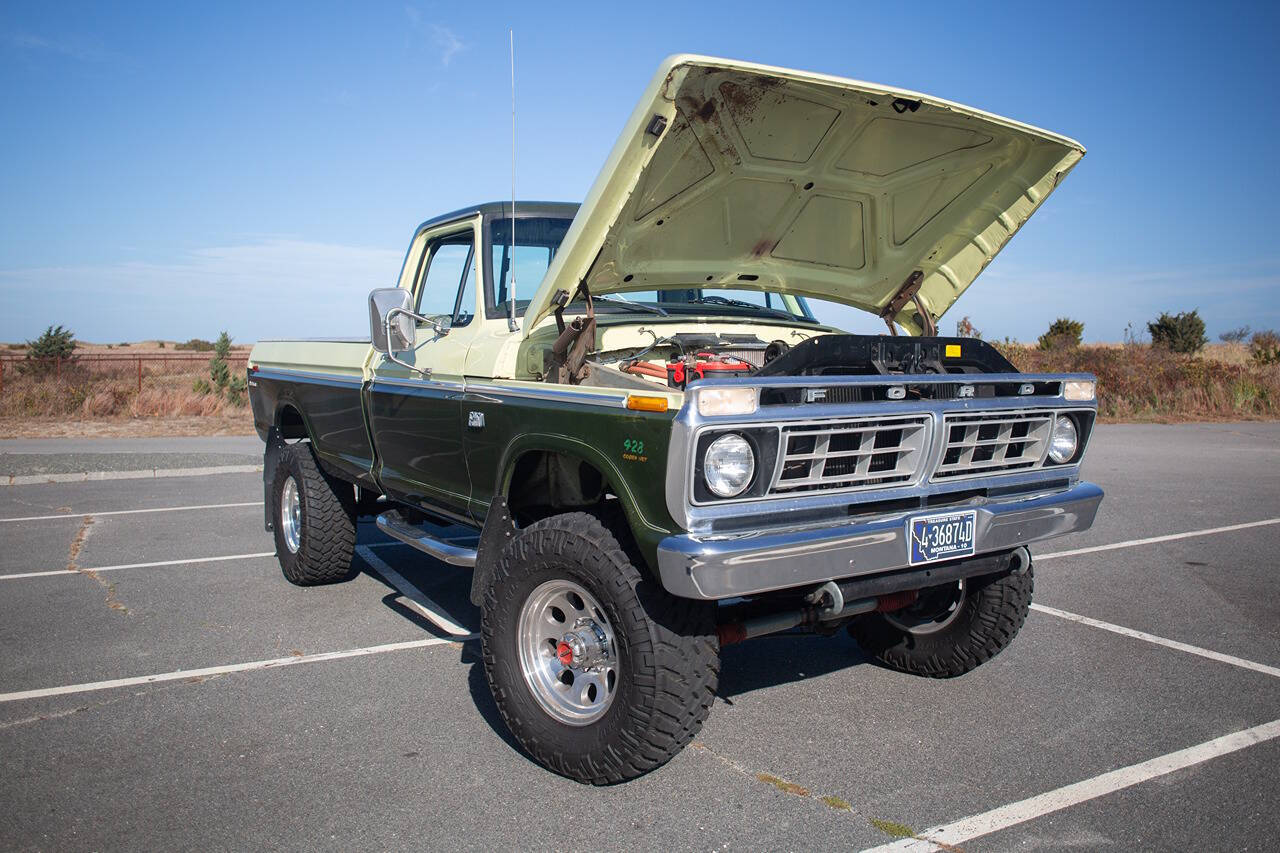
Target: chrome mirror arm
x=391, y=354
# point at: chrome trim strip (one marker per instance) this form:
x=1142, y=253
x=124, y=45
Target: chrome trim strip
x=554, y=393
x=418, y=384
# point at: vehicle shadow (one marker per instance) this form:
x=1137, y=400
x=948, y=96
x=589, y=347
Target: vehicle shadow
x=757, y=664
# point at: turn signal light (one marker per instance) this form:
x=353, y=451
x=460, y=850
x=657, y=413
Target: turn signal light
x=646, y=404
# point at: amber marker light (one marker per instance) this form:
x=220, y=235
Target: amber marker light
x=637, y=403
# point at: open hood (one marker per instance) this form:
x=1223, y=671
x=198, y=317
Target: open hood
x=730, y=174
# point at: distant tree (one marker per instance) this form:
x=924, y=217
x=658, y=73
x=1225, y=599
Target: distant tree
x=54, y=342
x=965, y=329
x=197, y=344
x=229, y=386
x=1064, y=333
x=1182, y=332
x=52, y=351
x=1235, y=336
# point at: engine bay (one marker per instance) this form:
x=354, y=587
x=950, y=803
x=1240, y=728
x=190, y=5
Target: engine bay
x=680, y=359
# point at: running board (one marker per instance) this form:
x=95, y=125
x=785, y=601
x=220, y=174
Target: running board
x=394, y=525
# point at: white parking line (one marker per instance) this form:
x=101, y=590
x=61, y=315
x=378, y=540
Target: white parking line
x=190, y=560
x=80, y=515
x=184, y=674
x=138, y=474
x=958, y=832
x=1132, y=543
x=1159, y=641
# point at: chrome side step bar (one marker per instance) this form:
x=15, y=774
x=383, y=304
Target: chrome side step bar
x=394, y=525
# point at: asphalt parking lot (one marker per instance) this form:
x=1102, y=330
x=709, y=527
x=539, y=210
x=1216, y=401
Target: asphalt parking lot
x=163, y=686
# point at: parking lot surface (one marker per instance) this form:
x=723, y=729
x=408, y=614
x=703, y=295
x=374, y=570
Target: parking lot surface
x=163, y=686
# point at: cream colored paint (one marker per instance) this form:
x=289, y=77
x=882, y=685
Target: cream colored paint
x=346, y=358
x=812, y=184
x=444, y=354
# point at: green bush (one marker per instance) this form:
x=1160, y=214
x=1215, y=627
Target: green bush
x=44, y=353
x=1064, y=333
x=231, y=387
x=1265, y=347
x=1178, y=332
x=54, y=342
x=197, y=344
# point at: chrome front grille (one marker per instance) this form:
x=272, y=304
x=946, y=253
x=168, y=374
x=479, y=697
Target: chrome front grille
x=852, y=454
x=985, y=444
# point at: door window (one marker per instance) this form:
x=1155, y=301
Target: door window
x=449, y=275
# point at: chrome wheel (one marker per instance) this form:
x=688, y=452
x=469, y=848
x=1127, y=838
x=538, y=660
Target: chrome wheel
x=568, y=654
x=935, y=609
x=291, y=515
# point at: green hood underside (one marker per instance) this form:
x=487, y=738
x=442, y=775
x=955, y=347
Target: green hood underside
x=742, y=176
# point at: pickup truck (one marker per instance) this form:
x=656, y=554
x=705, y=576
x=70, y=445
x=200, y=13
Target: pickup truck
x=653, y=445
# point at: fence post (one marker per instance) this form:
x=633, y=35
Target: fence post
x=1, y=376
x=139, y=374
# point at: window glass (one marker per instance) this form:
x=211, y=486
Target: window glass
x=537, y=240
x=450, y=258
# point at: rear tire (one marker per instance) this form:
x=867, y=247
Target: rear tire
x=313, y=518
x=935, y=640
x=657, y=660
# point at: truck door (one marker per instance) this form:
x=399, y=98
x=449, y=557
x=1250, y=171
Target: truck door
x=414, y=418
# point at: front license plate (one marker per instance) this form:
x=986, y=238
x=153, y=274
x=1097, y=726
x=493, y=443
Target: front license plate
x=940, y=537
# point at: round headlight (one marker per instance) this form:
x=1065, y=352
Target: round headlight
x=1062, y=444
x=728, y=465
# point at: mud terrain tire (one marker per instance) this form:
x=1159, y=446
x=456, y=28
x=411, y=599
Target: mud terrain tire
x=985, y=621
x=666, y=655
x=317, y=545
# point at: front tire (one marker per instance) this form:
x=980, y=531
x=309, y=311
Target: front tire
x=951, y=629
x=314, y=520
x=598, y=672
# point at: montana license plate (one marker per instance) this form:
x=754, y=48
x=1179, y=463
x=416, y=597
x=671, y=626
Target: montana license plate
x=940, y=537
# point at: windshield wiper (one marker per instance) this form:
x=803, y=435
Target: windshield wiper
x=633, y=306
x=739, y=303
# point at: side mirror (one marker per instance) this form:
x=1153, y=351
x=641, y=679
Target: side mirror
x=391, y=332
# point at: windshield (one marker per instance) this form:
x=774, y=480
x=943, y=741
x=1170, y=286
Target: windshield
x=538, y=238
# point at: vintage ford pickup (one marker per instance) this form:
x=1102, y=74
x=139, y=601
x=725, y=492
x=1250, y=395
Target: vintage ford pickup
x=657, y=449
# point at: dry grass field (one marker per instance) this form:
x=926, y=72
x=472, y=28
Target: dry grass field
x=132, y=390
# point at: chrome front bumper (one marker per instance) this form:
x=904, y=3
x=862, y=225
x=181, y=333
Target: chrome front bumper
x=711, y=567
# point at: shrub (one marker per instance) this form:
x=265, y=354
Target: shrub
x=1178, y=332
x=197, y=344
x=44, y=353
x=965, y=329
x=160, y=344
x=54, y=342
x=1064, y=333
x=229, y=386
x=1235, y=336
x=1265, y=347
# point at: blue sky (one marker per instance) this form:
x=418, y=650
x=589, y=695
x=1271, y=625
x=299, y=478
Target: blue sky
x=174, y=169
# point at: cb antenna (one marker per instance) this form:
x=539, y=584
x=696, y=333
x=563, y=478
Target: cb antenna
x=511, y=287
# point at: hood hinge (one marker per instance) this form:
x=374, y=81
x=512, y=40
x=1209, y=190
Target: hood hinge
x=569, y=352
x=909, y=292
